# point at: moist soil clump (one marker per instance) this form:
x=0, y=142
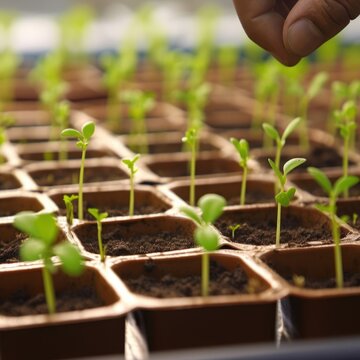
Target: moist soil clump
x=293, y=233
x=21, y=303
x=119, y=245
x=222, y=282
x=9, y=249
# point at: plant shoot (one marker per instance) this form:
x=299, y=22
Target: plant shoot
x=130, y=163
x=68, y=200
x=99, y=217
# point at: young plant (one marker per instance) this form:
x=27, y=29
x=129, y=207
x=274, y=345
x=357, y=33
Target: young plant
x=346, y=122
x=130, y=163
x=43, y=231
x=284, y=197
x=83, y=138
x=140, y=103
x=211, y=206
x=99, y=217
x=62, y=113
x=191, y=139
x=242, y=147
x=341, y=185
x=233, y=229
x=280, y=140
x=68, y=200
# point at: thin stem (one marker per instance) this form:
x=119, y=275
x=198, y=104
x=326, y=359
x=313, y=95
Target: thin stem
x=101, y=248
x=346, y=161
x=243, y=186
x=192, y=174
x=205, y=274
x=337, y=250
x=277, y=163
x=81, y=182
x=49, y=289
x=132, y=197
x=278, y=225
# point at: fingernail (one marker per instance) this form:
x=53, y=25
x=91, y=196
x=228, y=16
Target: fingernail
x=304, y=37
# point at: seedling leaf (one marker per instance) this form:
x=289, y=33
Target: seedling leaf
x=277, y=172
x=212, y=206
x=88, y=129
x=271, y=131
x=70, y=257
x=344, y=184
x=284, y=197
x=207, y=238
x=291, y=127
x=191, y=213
x=32, y=249
x=292, y=164
x=71, y=133
x=321, y=178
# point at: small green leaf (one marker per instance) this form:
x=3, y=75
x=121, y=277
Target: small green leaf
x=71, y=259
x=32, y=249
x=316, y=84
x=328, y=209
x=292, y=164
x=284, y=197
x=71, y=133
x=271, y=131
x=69, y=199
x=212, y=206
x=344, y=183
x=207, y=238
x=191, y=214
x=97, y=215
x=88, y=129
x=291, y=127
x=321, y=178
x=277, y=172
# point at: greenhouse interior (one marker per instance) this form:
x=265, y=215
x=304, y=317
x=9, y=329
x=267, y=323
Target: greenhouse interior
x=179, y=180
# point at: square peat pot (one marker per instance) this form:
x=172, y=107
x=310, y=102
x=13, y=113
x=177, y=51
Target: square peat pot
x=15, y=179
x=185, y=322
x=300, y=226
x=319, y=312
x=78, y=333
x=115, y=200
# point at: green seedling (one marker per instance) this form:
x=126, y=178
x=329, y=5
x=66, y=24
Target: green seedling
x=83, y=138
x=99, y=217
x=284, y=197
x=211, y=206
x=130, y=163
x=346, y=123
x=233, y=229
x=140, y=103
x=68, y=200
x=355, y=218
x=242, y=147
x=62, y=113
x=43, y=231
x=6, y=120
x=191, y=139
x=341, y=185
x=299, y=281
x=280, y=140
x=227, y=64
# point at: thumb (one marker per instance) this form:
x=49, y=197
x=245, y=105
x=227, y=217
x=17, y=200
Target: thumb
x=310, y=23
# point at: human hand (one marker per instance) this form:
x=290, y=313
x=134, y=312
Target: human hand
x=292, y=29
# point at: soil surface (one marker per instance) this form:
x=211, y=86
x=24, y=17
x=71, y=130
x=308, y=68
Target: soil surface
x=222, y=282
x=70, y=176
x=9, y=249
x=263, y=233
x=21, y=303
x=119, y=245
x=7, y=183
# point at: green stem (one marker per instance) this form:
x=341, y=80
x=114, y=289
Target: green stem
x=205, y=274
x=132, y=200
x=81, y=182
x=277, y=163
x=101, y=248
x=278, y=225
x=337, y=250
x=243, y=186
x=346, y=161
x=192, y=174
x=49, y=289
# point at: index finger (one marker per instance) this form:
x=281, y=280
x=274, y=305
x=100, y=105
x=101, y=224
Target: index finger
x=263, y=22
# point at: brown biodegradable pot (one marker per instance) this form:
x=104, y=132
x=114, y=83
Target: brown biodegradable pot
x=300, y=226
x=15, y=179
x=183, y=322
x=137, y=236
x=69, y=334
x=319, y=312
x=31, y=134
x=115, y=200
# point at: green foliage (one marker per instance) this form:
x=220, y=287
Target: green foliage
x=233, y=229
x=68, y=200
x=43, y=231
x=130, y=163
x=99, y=217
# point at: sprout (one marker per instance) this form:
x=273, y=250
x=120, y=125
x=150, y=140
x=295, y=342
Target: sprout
x=99, y=217
x=211, y=206
x=284, y=197
x=43, y=231
x=133, y=170
x=68, y=200
x=342, y=185
x=242, y=147
x=83, y=138
x=233, y=229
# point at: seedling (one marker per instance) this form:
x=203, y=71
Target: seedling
x=191, y=139
x=68, y=200
x=62, y=112
x=355, y=218
x=233, y=229
x=133, y=170
x=140, y=103
x=341, y=185
x=43, y=231
x=280, y=140
x=242, y=147
x=346, y=122
x=227, y=63
x=211, y=206
x=99, y=217
x=83, y=138
x=284, y=197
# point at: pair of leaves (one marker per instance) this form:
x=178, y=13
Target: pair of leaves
x=284, y=197
x=287, y=168
x=207, y=238
x=130, y=163
x=83, y=136
x=97, y=215
x=275, y=135
x=242, y=147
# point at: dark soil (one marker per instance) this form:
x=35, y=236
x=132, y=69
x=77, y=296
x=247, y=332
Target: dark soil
x=8, y=182
x=21, y=303
x=263, y=233
x=9, y=249
x=222, y=282
x=70, y=176
x=118, y=245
